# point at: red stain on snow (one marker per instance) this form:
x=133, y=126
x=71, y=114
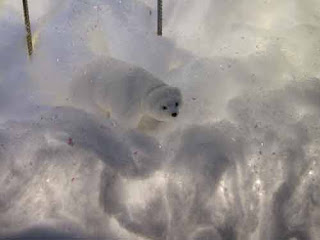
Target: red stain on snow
x=70, y=142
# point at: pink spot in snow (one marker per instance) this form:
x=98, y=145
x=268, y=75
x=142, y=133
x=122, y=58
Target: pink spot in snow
x=70, y=142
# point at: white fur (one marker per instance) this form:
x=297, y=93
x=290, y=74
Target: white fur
x=126, y=92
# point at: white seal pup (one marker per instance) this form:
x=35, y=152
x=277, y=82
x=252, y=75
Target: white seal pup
x=126, y=92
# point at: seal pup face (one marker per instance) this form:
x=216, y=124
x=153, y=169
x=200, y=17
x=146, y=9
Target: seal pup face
x=164, y=103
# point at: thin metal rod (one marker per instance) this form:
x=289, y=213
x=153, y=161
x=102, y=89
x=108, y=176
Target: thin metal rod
x=159, y=17
x=28, y=26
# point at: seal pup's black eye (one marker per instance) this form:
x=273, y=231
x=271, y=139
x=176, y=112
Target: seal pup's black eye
x=164, y=107
x=177, y=104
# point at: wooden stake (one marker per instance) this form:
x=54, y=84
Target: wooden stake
x=28, y=26
x=159, y=17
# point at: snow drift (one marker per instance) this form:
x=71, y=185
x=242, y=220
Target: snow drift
x=242, y=161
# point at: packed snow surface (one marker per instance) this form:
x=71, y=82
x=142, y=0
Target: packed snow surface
x=241, y=162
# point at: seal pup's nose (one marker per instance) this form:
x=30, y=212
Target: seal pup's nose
x=174, y=114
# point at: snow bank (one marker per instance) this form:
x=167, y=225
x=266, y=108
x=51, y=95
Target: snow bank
x=242, y=161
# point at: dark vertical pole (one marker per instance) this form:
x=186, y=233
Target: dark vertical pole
x=27, y=25
x=159, y=17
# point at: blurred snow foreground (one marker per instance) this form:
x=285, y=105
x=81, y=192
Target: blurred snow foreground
x=241, y=161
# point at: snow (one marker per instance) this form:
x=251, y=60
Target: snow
x=240, y=162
